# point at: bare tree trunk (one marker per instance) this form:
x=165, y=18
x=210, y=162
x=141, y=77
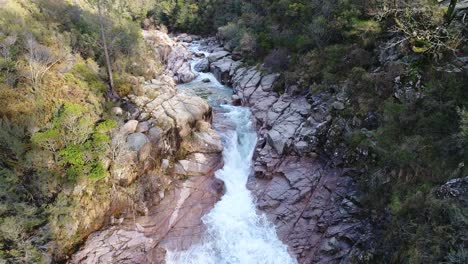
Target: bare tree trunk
x=450, y=12
x=111, y=91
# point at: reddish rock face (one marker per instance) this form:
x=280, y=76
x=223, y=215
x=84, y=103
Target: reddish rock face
x=175, y=223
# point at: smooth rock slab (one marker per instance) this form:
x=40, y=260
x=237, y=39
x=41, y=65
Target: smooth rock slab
x=173, y=224
x=217, y=56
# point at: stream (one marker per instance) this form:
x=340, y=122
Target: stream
x=235, y=231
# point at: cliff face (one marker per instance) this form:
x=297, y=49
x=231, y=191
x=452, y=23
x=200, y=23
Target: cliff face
x=167, y=137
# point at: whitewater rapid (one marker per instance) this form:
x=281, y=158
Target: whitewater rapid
x=235, y=232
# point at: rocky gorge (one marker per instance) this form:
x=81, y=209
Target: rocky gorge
x=270, y=132
x=314, y=206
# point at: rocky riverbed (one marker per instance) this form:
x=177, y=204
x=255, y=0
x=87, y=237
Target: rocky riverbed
x=313, y=204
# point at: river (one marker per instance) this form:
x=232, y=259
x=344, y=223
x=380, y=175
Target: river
x=236, y=233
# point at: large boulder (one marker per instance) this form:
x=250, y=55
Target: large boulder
x=221, y=69
x=154, y=134
x=136, y=141
x=180, y=111
x=217, y=55
x=202, y=66
x=184, y=37
x=128, y=127
x=203, y=139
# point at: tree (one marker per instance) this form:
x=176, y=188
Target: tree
x=450, y=11
x=424, y=25
x=40, y=59
x=100, y=5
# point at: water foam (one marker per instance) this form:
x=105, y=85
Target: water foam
x=236, y=233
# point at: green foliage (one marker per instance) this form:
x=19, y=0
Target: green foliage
x=97, y=172
x=106, y=126
x=52, y=138
x=365, y=30
x=49, y=139
x=430, y=228
x=88, y=73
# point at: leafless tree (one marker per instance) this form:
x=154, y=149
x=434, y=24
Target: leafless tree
x=40, y=59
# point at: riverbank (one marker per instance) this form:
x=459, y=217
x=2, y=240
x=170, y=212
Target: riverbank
x=174, y=152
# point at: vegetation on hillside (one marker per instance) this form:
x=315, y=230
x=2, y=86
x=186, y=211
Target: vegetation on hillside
x=54, y=122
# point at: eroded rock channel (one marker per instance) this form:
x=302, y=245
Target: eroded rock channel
x=314, y=207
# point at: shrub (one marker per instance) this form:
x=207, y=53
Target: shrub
x=231, y=34
x=89, y=72
x=366, y=31
x=97, y=172
x=50, y=139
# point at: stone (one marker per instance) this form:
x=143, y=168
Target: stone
x=301, y=147
x=202, y=66
x=117, y=111
x=206, y=80
x=221, y=69
x=268, y=81
x=154, y=134
x=332, y=246
x=136, y=141
x=277, y=141
x=217, y=56
x=197, y=164
x=177, y=63
x=184, y=38
x=203, y=140
x=455, y=188
x=128, y=127
x=144, y=116
x=338, y=105
x=143, y=127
